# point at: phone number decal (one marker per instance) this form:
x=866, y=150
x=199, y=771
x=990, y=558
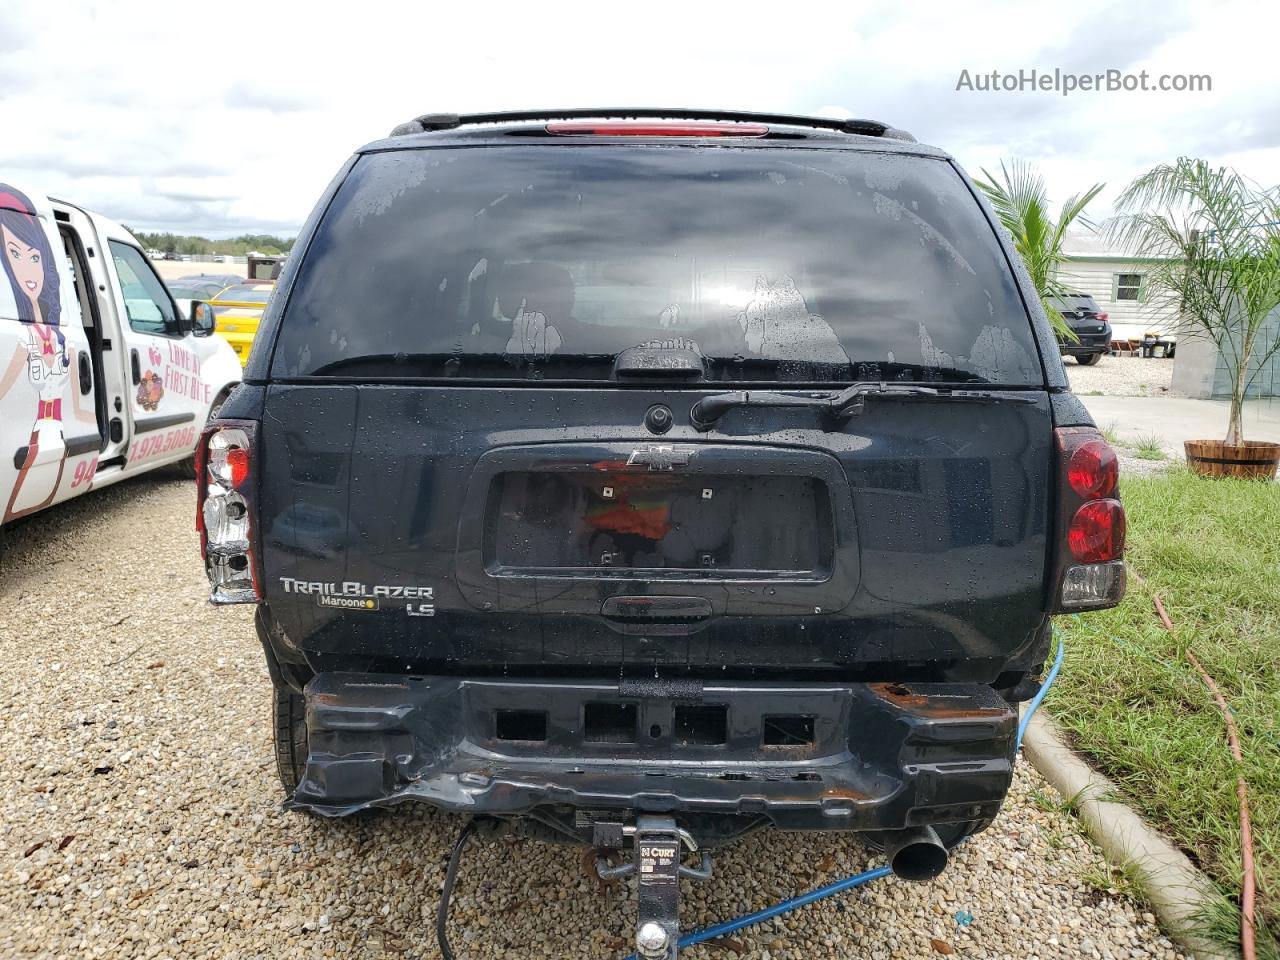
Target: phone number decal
x=162, y=443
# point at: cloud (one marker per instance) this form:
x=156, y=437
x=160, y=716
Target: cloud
x=77, y=163
x=195, y=188
x=1118, y=36
x=92, y=106
x=271, y=97
x=907, y=77
x=16, y=32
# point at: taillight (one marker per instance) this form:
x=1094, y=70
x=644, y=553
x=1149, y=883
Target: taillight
x=1093, y=470
x=1089, y=558
x=1096, y=534
x=224, y=510
x=1101, y=318
x=687, y=128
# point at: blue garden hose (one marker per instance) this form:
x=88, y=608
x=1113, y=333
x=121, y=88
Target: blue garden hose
x=858, y=879
x=786, y=906
x=1034, y=705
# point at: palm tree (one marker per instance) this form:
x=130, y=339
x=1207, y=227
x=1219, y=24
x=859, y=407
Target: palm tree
x=1022, y=204
x=1214, y=238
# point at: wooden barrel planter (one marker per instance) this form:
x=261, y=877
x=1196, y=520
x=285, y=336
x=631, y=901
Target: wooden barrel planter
x=1213, y=458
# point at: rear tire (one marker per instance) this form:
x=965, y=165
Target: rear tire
x=1089, y=361
x=954, y=834
x=289, y=729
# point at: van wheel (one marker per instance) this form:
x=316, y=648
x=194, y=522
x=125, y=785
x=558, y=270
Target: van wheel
x=1089, y=361
x=289, y=729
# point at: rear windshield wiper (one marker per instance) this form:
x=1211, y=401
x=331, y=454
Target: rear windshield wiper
x=841, y=404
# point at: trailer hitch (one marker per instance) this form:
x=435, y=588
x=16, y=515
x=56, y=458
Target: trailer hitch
x=656, y=852
x=657, y=844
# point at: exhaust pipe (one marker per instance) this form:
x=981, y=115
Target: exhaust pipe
x=915, y=853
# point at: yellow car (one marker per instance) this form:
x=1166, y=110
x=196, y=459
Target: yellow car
x=237, y=311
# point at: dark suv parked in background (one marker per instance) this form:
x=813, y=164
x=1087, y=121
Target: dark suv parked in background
x=714, y=468
x=1089, y=323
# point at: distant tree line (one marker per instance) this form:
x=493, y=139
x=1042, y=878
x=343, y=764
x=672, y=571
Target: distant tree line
x=235, y=246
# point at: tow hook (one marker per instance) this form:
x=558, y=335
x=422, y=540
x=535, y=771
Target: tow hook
x=656, y=843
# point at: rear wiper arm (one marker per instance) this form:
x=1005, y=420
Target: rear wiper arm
x=841, y=404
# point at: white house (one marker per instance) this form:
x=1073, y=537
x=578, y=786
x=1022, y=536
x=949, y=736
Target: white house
x=1116, y=281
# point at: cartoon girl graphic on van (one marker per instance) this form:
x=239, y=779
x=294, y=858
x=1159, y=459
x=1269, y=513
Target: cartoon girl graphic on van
x=32, y=274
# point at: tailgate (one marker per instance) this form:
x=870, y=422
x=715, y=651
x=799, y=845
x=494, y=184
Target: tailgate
x=416, y=528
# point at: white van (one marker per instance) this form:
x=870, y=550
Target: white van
x=101, y=376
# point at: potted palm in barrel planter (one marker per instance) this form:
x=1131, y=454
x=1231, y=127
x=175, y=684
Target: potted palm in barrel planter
x=1213, y=239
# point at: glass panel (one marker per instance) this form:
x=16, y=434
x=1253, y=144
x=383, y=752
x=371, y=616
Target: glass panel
x=544, y=262
x=1128, y=286
x=145, y=299
x=246, y=294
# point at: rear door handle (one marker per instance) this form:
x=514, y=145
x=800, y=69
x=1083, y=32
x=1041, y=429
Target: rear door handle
x=656, y=609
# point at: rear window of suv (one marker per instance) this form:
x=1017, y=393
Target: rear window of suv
x=546, y=263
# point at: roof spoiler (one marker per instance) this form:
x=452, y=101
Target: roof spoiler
x=451, y=121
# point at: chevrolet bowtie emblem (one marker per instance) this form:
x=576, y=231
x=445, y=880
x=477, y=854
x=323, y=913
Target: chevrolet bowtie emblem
x=660, y=457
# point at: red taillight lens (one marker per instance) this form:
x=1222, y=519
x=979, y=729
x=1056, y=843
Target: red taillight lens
x=1096, y=534
x=1102, y=318
x=1088, y=558
x=238, y=464
x=1093, y=470
x=706, y=128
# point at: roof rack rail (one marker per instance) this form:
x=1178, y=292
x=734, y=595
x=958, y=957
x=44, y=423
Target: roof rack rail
x=450, y=121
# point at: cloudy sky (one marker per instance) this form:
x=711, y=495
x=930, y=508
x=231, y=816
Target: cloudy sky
x=219, y=118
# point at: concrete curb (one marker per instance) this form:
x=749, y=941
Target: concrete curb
x=1175, y=887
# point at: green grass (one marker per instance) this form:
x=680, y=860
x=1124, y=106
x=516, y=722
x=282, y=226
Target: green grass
x=1107, y=878
x=1052, y=803
x=1148, y=448
x=1130, y=700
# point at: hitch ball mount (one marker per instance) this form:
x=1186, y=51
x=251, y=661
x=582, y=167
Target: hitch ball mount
x=656, y=848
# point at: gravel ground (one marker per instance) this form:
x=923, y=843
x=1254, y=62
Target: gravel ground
x=1127, y=377
x=141, y=814
x=1137, y=466
x=1123, y=377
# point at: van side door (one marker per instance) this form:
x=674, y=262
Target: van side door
x=168, y=397
x=85, y=252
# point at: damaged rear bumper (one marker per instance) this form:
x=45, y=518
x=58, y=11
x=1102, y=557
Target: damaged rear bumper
x=800, y=756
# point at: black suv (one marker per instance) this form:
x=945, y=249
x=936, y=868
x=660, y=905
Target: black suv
x=1088, y=322
x=594, y=471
